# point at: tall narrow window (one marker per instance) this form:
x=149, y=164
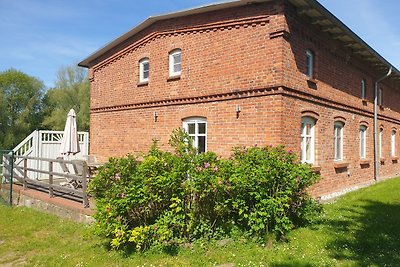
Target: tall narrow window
x=381, y=143
x=307, y=140
x=197, y=130
x=363, y=89
x=144, y=70
x=310, y=64
x=380, y=97
x=338, y=140
x=393, y=143
x=175, y=62
x=363, y=141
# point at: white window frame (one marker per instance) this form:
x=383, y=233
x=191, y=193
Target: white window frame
x=393, y=143
x=173, y=63
x=338, y=137
x=363, y=142
x=195, y=136
x=310, y=64
x=363, y=89
x=142, y=63
x=304, y=136
x=381, y=142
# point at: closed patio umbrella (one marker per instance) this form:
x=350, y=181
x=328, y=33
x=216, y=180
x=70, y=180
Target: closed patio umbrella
x=70, y=142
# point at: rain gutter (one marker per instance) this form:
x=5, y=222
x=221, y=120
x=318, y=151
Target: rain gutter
x=376, y=144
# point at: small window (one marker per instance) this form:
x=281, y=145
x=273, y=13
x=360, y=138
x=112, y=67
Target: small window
x=338, y=140
x=363, y=142
x=144, y=70
x=363, y=89
x=381, y=143
x=310, y=64
x=307, y=140
x=175, y=62
x=197, y=130
x=380, y=97
x=393, y=144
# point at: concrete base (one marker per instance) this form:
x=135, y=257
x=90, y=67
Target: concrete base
x=41, y=201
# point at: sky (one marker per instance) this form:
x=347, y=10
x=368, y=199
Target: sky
x=38, y=37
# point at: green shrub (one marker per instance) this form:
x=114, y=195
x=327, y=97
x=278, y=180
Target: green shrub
x=171, y=198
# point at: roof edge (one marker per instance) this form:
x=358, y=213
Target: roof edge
x=152, y=19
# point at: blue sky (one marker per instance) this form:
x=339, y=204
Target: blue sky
x=40, y=36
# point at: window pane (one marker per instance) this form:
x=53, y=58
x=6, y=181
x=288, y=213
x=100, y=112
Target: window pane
x=309, y=64
x=202, y=128
x=177, y=67
x=191, y=128
x=308, y=129
x=308, y=148
x=338, y=148
x=145, y=66
x=177, y=58
x=202, y=144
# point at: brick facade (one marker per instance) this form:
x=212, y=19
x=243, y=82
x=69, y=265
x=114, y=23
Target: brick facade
x=252, y=57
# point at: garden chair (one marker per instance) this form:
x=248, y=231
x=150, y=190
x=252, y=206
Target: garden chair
x=70, y=181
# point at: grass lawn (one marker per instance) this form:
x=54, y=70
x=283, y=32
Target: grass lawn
x=360, y=229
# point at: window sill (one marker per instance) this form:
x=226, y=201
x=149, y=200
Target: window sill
x=341, y=165
x=394, y=159
x=143, y=83
x=316, y=168
x=365, y=161
x=174, y=78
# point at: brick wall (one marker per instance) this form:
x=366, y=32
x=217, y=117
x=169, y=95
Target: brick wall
x=254, y=57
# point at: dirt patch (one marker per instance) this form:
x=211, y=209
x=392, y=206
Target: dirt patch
x=11, y=260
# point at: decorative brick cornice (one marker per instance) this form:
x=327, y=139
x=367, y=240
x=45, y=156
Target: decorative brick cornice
x=191, y=100
x=255, y=92
x=281, y=33
x=217, y=26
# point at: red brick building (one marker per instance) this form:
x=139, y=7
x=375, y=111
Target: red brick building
x=244, y=73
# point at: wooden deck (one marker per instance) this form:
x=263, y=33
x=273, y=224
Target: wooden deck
x=68, y=185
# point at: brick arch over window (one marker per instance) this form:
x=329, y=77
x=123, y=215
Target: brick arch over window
x=310, y=113
x=340, y=119
x=364, y=123
x=193, y=111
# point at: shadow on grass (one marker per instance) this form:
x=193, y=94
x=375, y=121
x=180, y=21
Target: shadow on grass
x=292, y=264
x=367, y=233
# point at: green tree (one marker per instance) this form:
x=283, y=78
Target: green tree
x=20, y=105
x=71, y=91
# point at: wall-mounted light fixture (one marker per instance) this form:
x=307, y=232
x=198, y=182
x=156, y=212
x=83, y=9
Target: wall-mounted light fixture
x=237, y=109
x=155, y=116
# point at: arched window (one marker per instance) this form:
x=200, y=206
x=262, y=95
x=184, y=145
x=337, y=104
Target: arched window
x=363, y=141
x=393, y=143
x=363, y=89
x=175, y=62
x=144, y=70
x=381, y=142
x=338, y=140
x=196, y=127
x=307, y=140
x=310, y=64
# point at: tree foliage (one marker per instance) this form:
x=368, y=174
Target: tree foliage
x=20, y=104
x=71, y=91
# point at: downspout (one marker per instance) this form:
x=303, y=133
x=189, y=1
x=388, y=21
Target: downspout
x=376, y=138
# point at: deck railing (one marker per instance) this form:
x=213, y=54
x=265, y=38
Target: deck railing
x=52, y=181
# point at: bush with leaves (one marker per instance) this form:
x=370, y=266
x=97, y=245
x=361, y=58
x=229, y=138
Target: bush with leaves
x=171, y=198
